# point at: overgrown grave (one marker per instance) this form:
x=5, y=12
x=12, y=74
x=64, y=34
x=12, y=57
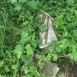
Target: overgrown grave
x=47, y=35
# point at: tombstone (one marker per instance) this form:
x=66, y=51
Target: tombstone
x=49, y=35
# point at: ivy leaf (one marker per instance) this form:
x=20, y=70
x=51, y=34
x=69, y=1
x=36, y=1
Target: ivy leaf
x=29, y=49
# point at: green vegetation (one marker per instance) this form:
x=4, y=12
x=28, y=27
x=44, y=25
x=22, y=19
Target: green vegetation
x=19, y=35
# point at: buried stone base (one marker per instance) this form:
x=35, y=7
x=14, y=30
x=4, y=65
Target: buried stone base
x=50, y=69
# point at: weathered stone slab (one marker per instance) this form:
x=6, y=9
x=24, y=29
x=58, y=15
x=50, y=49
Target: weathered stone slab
x=49, y=35
x=50, y=69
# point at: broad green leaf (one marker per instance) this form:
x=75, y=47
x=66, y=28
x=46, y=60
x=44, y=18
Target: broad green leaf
x=17, y=7
x=42, y=75
x=48, y=57
x=43, y=28
x=33, y=4
x=76, y=12
x=29, y=49
x=19, y=54
x=6, y=68
x=40, y=64
x=73, y=55
x=64, y=44
x=2, y=27
x=34, y=71
x=33, y=36
x=1, y=63
x=75, y=33
x=66, y=34
x=14, y=66
x=2, y=76
x=18, y=50
x=24, y=37
x=23, y=1
x=55, y=57
x=26, y=69
x=13, y=1
x=70, y=2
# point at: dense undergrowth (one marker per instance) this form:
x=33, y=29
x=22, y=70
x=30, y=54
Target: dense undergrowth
x=19, y=34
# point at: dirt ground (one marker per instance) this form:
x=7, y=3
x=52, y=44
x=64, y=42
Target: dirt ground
x=70, y=71
x=73, y=71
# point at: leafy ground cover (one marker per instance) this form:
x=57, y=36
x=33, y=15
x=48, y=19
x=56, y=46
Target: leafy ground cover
x=19, y=35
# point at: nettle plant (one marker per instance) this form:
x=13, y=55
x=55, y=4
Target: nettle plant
x=19, y=35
